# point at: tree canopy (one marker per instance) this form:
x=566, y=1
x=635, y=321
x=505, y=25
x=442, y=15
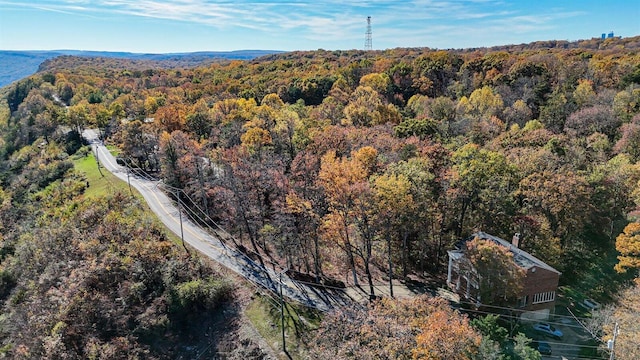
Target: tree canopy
x=339, y=165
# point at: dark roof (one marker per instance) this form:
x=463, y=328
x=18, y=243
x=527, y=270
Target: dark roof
x=521, y=257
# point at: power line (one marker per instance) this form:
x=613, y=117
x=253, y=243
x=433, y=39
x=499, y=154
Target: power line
x=203, y=222
x=517, y=318
x=584, y=326
x=521, y=310
x=564, y=344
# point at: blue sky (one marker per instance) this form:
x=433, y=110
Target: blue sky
x=155, y=26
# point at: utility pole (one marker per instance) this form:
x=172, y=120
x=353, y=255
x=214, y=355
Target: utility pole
x=611, y=344
x=128, y=179
x=98, y=161
x=180, y=216
x=284, y=344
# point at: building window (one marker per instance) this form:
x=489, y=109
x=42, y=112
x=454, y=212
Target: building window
x=544, y=297
x=522, y=302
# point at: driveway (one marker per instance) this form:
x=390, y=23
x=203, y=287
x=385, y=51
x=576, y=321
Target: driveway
x=574, y=343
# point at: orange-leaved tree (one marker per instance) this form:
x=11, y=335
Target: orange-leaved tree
x=419, y=327
x=445, y=334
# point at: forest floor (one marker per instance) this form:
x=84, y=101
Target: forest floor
x=411, y=286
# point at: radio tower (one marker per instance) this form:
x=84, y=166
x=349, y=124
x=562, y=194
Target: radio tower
x=367, y=38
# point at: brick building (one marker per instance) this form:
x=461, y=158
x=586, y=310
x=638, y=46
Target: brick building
x=540, y=283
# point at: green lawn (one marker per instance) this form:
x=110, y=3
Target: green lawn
x=103, y=183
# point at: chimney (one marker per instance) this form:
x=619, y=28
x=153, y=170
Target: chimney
x=516, y=240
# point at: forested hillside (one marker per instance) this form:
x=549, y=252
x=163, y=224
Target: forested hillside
x=350, y=165
x=19, y=64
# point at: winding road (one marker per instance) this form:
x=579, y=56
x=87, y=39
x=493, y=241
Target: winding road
x=210, y=245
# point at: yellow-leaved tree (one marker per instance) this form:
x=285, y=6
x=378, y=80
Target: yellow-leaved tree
x=628, y=244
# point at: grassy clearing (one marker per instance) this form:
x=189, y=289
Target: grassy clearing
x=103, y=183
x=264, y=314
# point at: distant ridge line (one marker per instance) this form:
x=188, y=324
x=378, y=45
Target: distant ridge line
x=18, y=64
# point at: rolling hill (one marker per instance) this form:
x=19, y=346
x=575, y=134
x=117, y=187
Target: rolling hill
x=15, y=65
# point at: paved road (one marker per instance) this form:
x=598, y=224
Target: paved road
x=209, y=245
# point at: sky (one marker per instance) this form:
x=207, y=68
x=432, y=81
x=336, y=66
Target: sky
x=156, y=26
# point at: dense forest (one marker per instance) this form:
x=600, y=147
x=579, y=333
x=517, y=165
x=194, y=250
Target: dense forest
x=350, y=165
x=20, y=64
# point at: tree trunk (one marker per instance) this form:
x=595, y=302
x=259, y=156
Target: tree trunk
x=463, y=211
x=316, y=257
x=405, y=255
x=205, y=205
x=252, y=238
x=370, y=280
x=352, y=262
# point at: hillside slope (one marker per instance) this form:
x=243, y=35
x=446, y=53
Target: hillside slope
x=19, y=64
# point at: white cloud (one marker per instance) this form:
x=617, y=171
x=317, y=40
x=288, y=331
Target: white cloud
x=394, y=22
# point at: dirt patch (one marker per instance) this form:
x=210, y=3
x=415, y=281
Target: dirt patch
x=228, y=334
x=411, y=286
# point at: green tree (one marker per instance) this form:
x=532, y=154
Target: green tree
x=482, y=182
x=78, y=117
x=378, y=82
x=362, y=107
x=199, y=124
x=554, y=113
x=489, y=350
x=488, y=326
x=140, y=144
x=626, y=103
x=19, y=92
x=583, y=94
x=522, y=350
x=483, y=102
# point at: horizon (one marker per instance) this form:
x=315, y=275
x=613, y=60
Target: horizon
x=285, y=51
x=141, y=53
x=187, y=26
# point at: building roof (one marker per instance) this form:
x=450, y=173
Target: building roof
x=521, y=257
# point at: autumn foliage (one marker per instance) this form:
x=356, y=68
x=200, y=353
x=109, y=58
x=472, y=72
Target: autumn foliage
x=628, y=244
x=419, y=328
x=350, y=167
x=500, y=279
